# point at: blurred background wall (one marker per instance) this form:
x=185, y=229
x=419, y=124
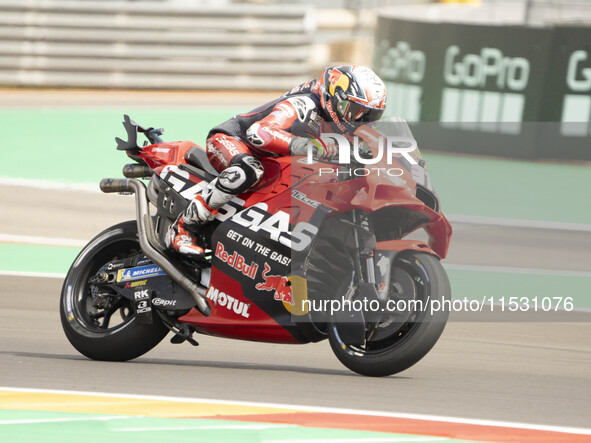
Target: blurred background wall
x=221, y=44
x=482, y=73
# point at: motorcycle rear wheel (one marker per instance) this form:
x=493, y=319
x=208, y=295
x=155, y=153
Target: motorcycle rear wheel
x=112, y=333
x=398, y=349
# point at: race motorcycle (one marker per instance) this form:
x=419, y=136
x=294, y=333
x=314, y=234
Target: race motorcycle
x=315, y=251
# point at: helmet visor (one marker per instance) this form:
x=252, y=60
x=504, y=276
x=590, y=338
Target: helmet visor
x=351, y=111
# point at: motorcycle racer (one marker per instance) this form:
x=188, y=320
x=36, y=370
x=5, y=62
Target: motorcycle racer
x=290, y=125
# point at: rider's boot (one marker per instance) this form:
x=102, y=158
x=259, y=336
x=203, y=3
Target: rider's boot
x=201, y=210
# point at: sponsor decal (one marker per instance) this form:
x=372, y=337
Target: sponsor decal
x=337, y=78
x=142, y=301
x=302, y=197
x=139, y=272
x=229, y=145
x=474, y=70
x=497, y=105
x=401, y=62
x=258, y=248
x=220, y=298
x=162, y=150
x=403, y=70
x=163, y=303
x=142, y=307
x=277, y=283
x=276, y=133
x=112, y=266
x=279, y=258
x=229, y=209
x=576, y=106
x=578, y=78
x=181, y=182
x=335, y=117
x=276, y=227
x=236, y=261
x=69, y=302
x=135, y=284
x=212, y=149
x=141, y=295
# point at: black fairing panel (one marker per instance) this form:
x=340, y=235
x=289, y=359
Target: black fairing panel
x=198, y=157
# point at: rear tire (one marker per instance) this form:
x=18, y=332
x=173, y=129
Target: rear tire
x=81, y=321
x=406, y=344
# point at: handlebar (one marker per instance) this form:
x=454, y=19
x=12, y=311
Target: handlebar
x=152, y=134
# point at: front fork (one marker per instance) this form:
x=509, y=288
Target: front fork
x=364, y=245
x=364, y=283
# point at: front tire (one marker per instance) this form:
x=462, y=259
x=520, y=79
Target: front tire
x=400, y=345
x=111, y=333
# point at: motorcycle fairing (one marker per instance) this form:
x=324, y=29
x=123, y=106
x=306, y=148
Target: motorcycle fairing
x=263, y=222
x=253, y=250
x=373, y=194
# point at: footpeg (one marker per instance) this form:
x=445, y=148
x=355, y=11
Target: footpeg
x=183, y=333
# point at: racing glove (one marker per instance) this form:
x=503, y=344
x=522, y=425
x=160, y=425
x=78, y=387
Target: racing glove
x=320, y=148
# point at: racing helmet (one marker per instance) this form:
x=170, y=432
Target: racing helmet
x=352, y=94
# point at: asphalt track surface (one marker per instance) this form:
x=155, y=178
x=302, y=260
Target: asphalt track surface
x=527, y=372
x=520, y=372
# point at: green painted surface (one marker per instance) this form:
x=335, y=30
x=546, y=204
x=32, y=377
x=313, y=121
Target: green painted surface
x=97, y=428
x=78, y=146
x=510, y=188
x=483, y=285
x=36, y=258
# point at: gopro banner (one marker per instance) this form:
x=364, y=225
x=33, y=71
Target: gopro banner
x=486, y=89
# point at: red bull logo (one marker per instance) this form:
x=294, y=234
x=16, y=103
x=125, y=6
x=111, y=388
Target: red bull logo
x=237, y=261
x=277, y=283
x=337, y=78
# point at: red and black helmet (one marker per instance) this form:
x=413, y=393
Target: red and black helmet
x=352, y=94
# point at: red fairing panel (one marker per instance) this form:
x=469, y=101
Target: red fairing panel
x=233, y=316
x=169, y=153
x=371, y=194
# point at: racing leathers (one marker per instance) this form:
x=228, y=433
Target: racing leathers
x=288, y=125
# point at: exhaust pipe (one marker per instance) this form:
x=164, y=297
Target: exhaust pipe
x=139, y=189
x=135, y=170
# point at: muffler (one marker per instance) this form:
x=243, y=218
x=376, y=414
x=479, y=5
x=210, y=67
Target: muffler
x=109, y=185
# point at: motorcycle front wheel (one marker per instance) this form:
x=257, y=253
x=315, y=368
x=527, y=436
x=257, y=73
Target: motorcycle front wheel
x=105, y=330
x=399, y=344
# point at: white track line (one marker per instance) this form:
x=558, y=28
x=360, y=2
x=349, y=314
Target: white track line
x=517, y=270
x=36, y=240
x=253, y=427
x=50, y=185
x=26, y=421
x=32, y=274
x=304, y=408
x=363, y=440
